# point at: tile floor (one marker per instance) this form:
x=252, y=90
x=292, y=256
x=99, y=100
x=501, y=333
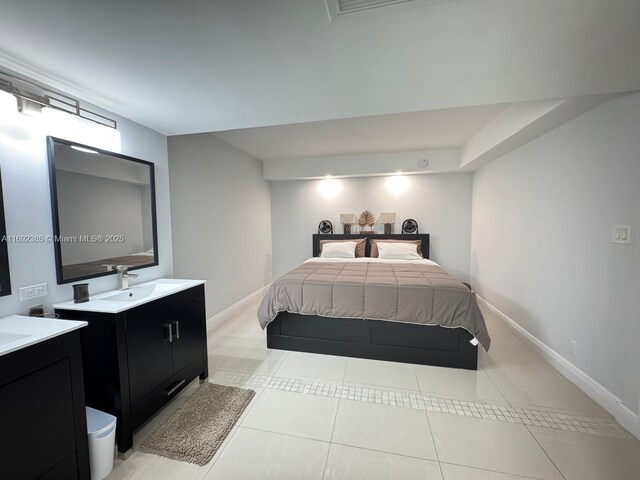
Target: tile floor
x=325, y=417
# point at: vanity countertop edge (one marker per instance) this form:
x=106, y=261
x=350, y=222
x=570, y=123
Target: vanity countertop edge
x=33, y=330
x=98, y=304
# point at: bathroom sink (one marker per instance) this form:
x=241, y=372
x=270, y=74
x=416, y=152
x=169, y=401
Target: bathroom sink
x=116, y=301
x=17, y=332
x=8, y=337
x=134, y=294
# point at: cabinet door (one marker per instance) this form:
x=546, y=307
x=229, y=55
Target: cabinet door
x=148, y=350
x=189, y=334
x=37, y=422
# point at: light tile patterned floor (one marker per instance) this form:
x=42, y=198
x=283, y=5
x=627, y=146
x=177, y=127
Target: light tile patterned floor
x=320, y=417
x=537, y=418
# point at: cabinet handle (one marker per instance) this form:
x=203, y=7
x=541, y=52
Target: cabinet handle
x=173, y=389
x=168, y=325
x=177, y=324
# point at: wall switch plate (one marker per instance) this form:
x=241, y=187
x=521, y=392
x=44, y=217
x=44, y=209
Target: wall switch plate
x=573, y=347
x=34, y=291
x=621, y=234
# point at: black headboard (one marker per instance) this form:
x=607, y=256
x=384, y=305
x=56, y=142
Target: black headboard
x=377, y=236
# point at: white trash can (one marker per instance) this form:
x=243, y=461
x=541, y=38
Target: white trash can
x=101, y=428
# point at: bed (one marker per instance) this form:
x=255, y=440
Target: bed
x=407, y=311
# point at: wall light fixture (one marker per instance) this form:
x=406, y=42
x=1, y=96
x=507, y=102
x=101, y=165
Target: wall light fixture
x=330, y=188
x=397, y=184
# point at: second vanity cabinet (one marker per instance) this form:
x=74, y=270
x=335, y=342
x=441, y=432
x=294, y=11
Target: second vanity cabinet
x=137, y=360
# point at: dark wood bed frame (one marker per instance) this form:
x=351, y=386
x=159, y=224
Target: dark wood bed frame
x=374, y=339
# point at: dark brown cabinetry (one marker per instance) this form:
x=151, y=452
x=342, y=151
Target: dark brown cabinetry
x=42, y=412
x=138, y=360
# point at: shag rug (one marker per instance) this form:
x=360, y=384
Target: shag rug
x=195, y=431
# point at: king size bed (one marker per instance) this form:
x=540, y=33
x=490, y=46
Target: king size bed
x=375, y=302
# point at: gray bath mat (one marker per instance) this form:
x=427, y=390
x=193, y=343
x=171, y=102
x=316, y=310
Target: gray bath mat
x=195, y=431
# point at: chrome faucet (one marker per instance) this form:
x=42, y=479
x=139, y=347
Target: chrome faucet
x=123, y=275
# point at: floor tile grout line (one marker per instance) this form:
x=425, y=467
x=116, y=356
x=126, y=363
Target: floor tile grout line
x=344, y=444
x=495, y=384
x=338, y=443
x=433, y=440
x=545, y=452
x=524, y=477
x=333, y=428
x=285, y=434
x=383, y=451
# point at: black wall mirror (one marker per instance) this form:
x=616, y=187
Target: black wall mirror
x=103, y=208
x=5, y=281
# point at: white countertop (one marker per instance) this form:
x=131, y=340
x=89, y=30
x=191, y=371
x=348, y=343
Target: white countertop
x=17, y=331
x=139, y=295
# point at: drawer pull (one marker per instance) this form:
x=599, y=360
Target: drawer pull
x=173, y=389
x=177, y=324
x=168, y=325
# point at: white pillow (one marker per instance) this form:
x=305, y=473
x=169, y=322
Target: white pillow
x=339, y=250
x=398, y=251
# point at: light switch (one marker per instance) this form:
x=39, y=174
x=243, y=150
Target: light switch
x=621, y=234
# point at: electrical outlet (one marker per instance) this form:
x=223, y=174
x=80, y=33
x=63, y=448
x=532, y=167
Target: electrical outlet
x=621, y=234
x=573, y=347
x=34, y=291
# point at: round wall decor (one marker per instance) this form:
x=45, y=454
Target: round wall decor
x=409, y=226
x=325, y=226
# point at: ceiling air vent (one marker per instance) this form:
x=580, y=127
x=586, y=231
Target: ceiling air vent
x=340, y=7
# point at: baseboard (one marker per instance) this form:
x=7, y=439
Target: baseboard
x=218, y=318
x=600, y=394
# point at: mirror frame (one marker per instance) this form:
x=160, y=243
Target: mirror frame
x=51, y=142
x=5, y=277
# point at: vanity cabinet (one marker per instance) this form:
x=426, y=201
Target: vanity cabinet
x=137, y=360
x=42, y=412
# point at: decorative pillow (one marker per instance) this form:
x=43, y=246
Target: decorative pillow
x=339, y=250
x=374, y=246
x=360, y=247
x=398, y=251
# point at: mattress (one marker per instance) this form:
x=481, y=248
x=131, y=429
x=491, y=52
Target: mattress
x=408, y=291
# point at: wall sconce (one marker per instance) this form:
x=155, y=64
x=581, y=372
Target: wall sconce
x=347, y=219
x=8, y=103
x=397, y=185
x=32, y=97
x=71, y=127
x=388, y=219
x=330, y=188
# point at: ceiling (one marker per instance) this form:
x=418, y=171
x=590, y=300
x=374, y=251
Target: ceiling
x=430, y=130
x=193, y=66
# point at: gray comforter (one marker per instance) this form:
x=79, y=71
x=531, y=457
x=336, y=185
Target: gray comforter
x=409, y=292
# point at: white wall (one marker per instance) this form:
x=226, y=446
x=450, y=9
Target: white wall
x=221, y=216
x=541, y=249
x=440, y=203
x=25, y=180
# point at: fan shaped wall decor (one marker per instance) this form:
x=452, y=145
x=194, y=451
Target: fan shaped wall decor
x=366, y=219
